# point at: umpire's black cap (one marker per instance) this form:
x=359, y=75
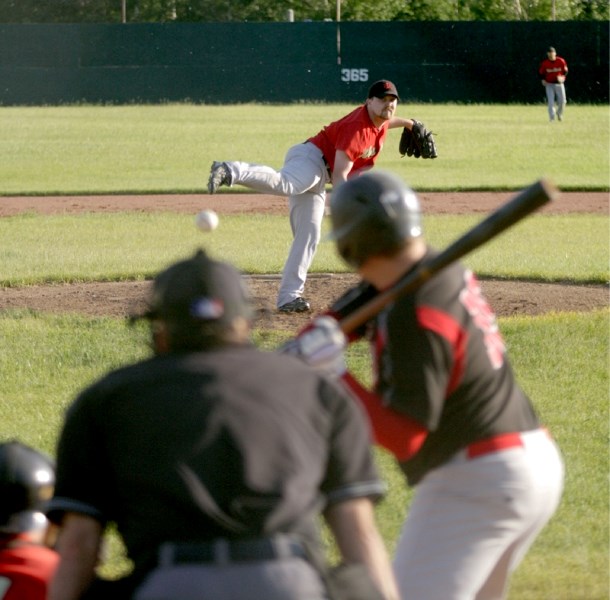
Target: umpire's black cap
x=199, y=289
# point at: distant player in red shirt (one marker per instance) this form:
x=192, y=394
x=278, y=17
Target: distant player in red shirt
x=342, y=149
x=553, y=71
x=27, y=478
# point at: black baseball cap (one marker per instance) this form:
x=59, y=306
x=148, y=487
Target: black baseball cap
x=383, y=88
x=199, y=289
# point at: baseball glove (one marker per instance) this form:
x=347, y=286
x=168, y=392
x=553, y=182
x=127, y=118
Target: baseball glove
x=417, y=142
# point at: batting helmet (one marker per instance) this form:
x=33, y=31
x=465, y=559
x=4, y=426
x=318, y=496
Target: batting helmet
x=373, y=214
x=27, y=479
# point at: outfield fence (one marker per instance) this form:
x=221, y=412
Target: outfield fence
x=462, y=62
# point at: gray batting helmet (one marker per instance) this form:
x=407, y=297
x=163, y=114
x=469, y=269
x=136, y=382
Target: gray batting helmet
x=373, y=214
x=27, y=479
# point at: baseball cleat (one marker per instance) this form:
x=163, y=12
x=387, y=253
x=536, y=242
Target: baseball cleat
x=298, y=305
x=219, y=175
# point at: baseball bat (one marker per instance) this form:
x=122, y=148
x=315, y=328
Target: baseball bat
x=523, y=204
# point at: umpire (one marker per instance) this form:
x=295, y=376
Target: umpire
x=214, y=459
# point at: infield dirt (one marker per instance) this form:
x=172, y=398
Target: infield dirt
x=124, y=298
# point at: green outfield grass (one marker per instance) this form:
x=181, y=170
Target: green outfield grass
x=560, y=359
x=123, y=246
x=169, y=148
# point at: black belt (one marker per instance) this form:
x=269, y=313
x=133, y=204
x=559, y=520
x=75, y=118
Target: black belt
x=330, y=173
x=225, y=551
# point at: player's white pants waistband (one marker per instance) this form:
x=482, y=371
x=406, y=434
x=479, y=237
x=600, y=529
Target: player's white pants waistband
x=472, y=520
x=501, y=443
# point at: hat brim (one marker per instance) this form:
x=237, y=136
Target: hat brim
x=382, y=96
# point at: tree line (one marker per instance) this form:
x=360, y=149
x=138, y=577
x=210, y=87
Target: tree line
x=159, y=11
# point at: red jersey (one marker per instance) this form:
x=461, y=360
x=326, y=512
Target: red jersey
x=25, y=569
x=356, y=135
x=550, y=69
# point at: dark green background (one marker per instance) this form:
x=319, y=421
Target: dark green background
x=466, y=62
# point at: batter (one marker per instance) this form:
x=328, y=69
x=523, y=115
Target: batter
x=445, y=402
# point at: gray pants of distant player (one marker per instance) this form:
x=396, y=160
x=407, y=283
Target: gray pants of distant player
x=555, y=92
x=303, y=179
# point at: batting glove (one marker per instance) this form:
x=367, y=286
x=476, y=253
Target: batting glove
x=322, y=345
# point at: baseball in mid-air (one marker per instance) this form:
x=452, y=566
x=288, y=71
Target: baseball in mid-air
x=206, y=220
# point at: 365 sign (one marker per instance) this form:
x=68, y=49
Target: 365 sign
x=354, y=75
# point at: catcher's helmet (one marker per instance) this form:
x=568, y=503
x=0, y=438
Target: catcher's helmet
x=373, y=214
x=27, y=479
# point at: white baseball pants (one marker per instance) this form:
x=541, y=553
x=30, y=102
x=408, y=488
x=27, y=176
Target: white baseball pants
x=303, y=179
x=471, y=521
x=555, y=92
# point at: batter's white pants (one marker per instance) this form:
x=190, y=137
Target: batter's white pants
x=471, y=521
x=555, y=92
x=303, y=179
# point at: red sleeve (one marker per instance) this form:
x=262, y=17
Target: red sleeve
x=395, y=432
